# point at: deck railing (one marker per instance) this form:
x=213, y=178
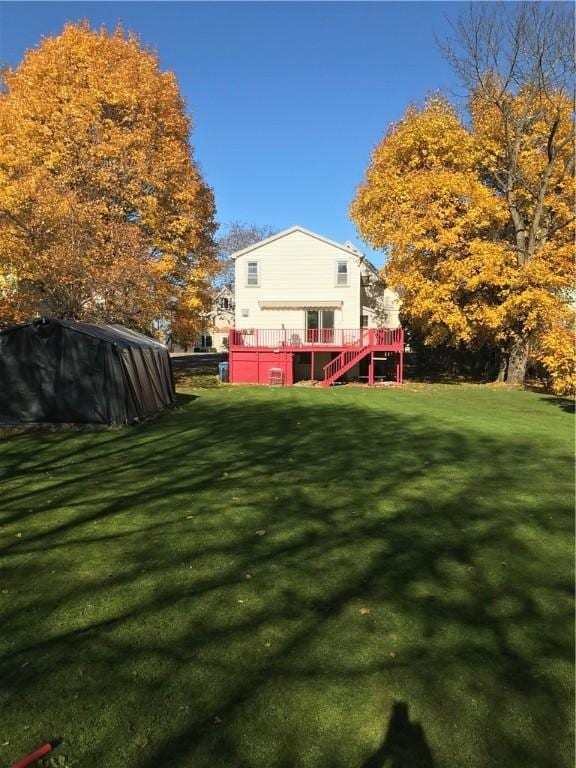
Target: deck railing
x=293, y=338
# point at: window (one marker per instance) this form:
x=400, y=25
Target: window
x=224, y=303
x=365, y=280
x=252, y=273
x=245, y=313
x=363, y=321
x=342, y=273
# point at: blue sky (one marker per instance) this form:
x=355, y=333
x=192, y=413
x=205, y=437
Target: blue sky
x=288, y=98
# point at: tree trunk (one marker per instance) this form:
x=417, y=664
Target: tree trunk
x=502, y=366
x=517, y=362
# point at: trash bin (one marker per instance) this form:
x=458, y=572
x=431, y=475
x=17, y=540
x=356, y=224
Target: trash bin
x=223, y=371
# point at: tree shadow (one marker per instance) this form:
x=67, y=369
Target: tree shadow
x=404, y=744
x=564, y=403
x=132, y=564
x=183, y=399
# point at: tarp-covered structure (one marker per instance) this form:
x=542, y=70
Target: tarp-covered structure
x=60, y=371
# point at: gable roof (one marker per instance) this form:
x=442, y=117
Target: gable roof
x=348, y=248
x=222, y=290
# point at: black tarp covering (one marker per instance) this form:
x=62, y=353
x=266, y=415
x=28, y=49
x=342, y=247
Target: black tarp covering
x=59, y=371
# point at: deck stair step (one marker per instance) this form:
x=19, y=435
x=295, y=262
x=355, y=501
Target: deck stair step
x=342, y=363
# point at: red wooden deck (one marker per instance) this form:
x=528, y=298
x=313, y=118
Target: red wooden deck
x=298, y=340
x=257, y=355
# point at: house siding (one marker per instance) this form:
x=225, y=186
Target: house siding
x=296, y=267
x=297, y=271
x=383, y=311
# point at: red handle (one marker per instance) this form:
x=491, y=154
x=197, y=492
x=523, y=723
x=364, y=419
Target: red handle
x=32, y=758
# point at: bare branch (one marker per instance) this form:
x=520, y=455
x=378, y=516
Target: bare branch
x=518, y=58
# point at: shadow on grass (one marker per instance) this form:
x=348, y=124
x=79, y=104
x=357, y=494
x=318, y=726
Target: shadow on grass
x=564, y=403
x=252, y=580
x=183, y=399
x=404, y=745
x=442, y=378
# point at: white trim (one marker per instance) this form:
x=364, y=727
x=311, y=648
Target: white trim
x=222, y=289
x=257, y=284
x=337, y=284
x=309, y=304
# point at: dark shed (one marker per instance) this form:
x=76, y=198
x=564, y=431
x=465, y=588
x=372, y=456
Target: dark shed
x=59, y=371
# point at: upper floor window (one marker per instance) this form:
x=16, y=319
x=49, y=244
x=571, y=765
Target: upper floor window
x=363, y=321
x=341, y=273
x=224, y=302
x=253, y=273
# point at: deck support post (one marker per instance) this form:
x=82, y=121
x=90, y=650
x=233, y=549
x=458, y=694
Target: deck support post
x=312, y=365
x=371, y=370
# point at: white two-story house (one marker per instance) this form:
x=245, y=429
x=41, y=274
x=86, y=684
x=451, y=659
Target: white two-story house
x=217, y=322
x=301, y=302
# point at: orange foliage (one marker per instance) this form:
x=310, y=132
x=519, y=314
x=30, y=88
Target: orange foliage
x=430, y=201
x=103, y=212
x=556, y=353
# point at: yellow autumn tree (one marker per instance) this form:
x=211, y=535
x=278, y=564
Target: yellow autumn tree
x=424, y=202
x=104, y=215
x=477, y=220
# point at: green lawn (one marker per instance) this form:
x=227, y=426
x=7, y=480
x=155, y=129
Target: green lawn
x=282, y=578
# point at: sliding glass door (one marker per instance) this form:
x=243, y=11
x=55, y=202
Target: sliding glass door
x=320, y=326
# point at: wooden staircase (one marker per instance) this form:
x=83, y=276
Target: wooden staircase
x=341, y=364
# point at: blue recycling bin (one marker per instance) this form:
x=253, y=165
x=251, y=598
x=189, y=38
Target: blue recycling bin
x=223, y=372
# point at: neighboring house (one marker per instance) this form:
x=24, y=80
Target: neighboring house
x=217, y=322
x=313, y=309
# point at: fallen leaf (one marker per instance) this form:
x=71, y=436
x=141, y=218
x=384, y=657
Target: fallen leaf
x=248, y=576
x=217, y=720
x=241, y=601
x=189, y=517
x=260, y=533
x=267, y=645
x=18, y=535
x=364, y=611
x=392, y=653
